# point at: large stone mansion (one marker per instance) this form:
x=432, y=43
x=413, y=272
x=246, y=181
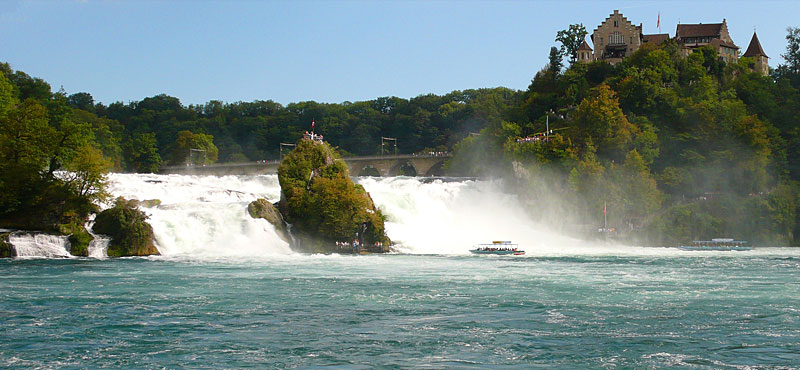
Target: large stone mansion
x=617, y=38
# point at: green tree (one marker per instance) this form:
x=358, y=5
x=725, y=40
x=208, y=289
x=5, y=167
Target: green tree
x=141, y=153
x=82, y=100
x=7, y=98
x=640, y=194
x=194, y=148
x=791, y=70
x=571, y=40
x=86, y=173
x=555, y=63
x=599, y=117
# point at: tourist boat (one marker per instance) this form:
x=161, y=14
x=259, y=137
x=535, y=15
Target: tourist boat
x=503, y=248
x=719, y=244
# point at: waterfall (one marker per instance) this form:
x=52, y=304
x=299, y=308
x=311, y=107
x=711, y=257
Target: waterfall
x=98, y=246
x=40, y=245
x=205, y=216
x=450, y=216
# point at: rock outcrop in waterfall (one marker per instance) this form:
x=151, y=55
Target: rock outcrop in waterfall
x=127, y=226
x=324, y=206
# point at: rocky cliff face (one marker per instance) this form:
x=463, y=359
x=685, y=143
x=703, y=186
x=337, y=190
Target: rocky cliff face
x=324, y=206
x=262, y=208
x=127, y=226
x=6, y=249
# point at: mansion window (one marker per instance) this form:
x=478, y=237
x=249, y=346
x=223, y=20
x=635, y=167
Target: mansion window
x=616, y=24
x=616, y=38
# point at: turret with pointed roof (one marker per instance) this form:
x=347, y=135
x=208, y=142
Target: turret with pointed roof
x=585, y=54
x=756, y=52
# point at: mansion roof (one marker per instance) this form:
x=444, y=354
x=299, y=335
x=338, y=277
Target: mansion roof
x=720, y=42
x=657, y=38
x=696, y=30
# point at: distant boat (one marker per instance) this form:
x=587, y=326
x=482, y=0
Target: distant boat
x=718, y=244
x=503, y=248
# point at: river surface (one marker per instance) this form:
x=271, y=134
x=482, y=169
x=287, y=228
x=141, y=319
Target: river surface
x=227, y=293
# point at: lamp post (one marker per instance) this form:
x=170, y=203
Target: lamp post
x=383, y=142
x=192, y=151
x=281, y=149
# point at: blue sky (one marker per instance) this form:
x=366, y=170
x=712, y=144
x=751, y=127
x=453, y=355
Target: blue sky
x=327, y=51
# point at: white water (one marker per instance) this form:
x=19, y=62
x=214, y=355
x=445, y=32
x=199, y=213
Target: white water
x=202, y=217
x=39, y=245
x=206, y=216
x=98, y=247
x=449, y=217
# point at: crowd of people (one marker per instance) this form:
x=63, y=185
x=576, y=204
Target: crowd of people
x=311, y=135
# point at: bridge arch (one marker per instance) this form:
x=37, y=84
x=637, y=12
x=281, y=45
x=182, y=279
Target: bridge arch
x=369, y=171
x=436, y=170
x=403, y=168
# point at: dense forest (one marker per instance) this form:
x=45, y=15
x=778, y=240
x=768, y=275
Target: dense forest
x=668, y=148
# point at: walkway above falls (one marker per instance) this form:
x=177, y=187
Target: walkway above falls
x=387, y=165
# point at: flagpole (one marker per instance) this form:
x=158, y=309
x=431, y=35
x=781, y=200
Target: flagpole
x=605, y=218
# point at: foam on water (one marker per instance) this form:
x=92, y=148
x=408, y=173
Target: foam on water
x=205, y=216
x=40, y=245
x=450, y=217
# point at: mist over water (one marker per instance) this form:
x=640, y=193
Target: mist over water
x=206, y=216
x=449, y=217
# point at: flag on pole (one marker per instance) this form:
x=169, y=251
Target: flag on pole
x=658, y=23
x=312, y=125
x=604, y=208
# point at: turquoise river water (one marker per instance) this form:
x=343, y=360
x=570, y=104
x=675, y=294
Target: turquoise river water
x=403, y=311
x=227, y=292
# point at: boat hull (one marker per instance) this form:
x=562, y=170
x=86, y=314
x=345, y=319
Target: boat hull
x=692, y=248
x=500, y=253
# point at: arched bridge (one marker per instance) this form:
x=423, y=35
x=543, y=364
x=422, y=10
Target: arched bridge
x=387, y=165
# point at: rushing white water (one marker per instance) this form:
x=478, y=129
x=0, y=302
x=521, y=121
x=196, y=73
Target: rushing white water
x=98, y=246
x=449, y=217
x=206, y=216
x=39, y=245
x=202, y=217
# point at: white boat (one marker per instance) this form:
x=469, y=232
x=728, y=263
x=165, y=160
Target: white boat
x=717, y=244
x=503, y=248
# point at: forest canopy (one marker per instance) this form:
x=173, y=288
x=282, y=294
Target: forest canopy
x=663, y=147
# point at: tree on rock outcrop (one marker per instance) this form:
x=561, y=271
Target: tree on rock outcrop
x=319, y=199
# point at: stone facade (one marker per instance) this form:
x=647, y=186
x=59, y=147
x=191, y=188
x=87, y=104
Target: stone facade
x=616, y=38
x=585, y=53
